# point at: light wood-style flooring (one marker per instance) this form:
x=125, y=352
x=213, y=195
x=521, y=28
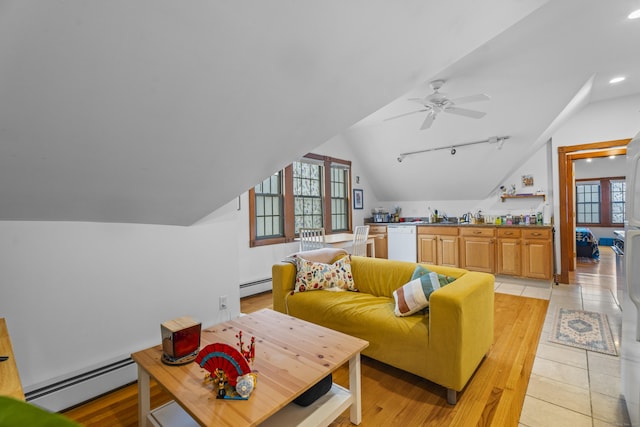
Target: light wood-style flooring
x=494, y=397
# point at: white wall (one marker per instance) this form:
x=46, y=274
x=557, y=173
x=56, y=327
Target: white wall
x=77, y=294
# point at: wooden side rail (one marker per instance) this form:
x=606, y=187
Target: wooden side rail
x=10, y=384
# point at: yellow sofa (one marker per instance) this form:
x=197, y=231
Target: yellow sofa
x=444, y=344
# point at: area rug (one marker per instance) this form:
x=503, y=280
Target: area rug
x=587, y=330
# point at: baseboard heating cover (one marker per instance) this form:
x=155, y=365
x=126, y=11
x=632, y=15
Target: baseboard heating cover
x=255, y=287
x=71, y=390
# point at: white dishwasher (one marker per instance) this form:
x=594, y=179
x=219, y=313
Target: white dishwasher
x=402, y=242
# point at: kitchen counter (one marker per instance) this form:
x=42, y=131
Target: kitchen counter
x=461, y=224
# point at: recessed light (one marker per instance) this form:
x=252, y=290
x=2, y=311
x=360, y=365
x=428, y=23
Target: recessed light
x=634, y=15
x=589, y=160
x=617, y=80
x=612, y=157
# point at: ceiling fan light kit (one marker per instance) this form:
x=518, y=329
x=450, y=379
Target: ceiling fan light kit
x=437, y=102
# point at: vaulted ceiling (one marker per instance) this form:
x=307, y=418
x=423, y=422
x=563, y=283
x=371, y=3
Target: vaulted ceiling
x=160, y=112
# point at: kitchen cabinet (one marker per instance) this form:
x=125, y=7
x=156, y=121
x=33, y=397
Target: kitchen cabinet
x=537, y=254
x=509, y=252
x=438, y=245
x=380, y=241
x=477, y=248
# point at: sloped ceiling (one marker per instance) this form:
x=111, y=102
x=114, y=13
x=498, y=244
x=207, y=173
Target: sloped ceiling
x=537, y=73
x=156, y=111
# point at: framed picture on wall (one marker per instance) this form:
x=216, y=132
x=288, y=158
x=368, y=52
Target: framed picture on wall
x=357, y=199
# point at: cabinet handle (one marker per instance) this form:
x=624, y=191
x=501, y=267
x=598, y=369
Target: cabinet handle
x=508, y=233
x=477, y=232
x=536, y=234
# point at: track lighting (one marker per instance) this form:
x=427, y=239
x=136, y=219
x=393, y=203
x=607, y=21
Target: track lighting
x=499, y=140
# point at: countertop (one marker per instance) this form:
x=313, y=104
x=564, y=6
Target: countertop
x=461, y=224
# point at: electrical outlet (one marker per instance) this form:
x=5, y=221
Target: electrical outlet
x=223, y=302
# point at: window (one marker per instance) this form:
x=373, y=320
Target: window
x=600, y=202
x=312, y=192
x=339, y=198
x=618, y=190
x=268, y=207
x=307, y=195
x=588, y=203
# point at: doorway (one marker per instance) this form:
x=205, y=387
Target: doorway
x=566, y=183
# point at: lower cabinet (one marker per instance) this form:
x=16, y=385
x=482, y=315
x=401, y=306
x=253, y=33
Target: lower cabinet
x=537, y=254
x=477, y=248
x=509, y=252
x=380, y=242
x=438, y=245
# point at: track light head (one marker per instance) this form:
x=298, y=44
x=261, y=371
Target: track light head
x=400, y=159
x=453, y=151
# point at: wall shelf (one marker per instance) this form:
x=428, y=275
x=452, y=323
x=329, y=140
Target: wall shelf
x=522, y=196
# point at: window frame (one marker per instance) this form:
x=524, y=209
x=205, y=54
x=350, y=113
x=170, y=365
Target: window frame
x=605, y=202
x=288, y=202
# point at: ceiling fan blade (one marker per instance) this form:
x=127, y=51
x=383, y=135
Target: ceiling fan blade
x=470, y=98
x=428, y=120
x=406, y=114
x=464, y=112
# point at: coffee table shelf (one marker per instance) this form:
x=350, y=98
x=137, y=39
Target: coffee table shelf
x=320, y=413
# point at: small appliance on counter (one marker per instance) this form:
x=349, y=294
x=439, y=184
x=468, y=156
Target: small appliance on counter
x=379, y=215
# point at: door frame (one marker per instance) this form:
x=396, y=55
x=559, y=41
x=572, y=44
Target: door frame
x=566, y=183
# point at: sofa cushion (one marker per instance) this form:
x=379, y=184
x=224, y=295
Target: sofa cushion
x=414, y=296
x=313, y=276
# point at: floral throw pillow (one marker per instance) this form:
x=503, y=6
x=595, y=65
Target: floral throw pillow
x=414, y=296
x=314, y=276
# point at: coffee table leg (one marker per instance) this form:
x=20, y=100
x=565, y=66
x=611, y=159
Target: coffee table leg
x=144, y=398
x=354, y=387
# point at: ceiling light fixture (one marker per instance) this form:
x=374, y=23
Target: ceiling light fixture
x=589, y=160
x=617, y=79
x=634, y=15
x=612, y=157
x=499, y=140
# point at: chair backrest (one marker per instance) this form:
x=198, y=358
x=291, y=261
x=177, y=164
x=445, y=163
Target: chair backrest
x=311, y=238
x=361, y=233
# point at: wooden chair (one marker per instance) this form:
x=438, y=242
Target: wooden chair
x=311, y=238
x=359, y=247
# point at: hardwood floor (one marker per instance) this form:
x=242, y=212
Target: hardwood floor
x=494, y=397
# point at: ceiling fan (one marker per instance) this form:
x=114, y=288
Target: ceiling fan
x=437, y=102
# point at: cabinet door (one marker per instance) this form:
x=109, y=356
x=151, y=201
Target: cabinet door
x=537, y=259
x=379, y=232
x=509, y=255
x=477, y=253
x=380, y=243
x=427, y=249
x=448, y=251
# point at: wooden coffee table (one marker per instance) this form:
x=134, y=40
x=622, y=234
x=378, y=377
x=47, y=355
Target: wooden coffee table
x=291, y=356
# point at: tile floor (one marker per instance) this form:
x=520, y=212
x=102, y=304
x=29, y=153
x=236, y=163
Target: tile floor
x=569, y=386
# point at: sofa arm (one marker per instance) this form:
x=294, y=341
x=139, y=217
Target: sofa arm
x=461, y=327
x=283, y=276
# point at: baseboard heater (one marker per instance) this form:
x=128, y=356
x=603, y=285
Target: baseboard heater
x=77, y=388
x=255, y=287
